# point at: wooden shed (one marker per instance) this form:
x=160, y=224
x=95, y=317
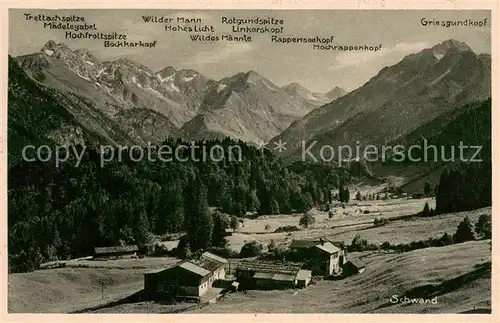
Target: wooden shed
x=303, y=278
x=353, y=266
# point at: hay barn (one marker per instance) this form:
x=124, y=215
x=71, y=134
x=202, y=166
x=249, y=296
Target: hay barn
x=271, y=275
x=185, y=279
x=116, y=252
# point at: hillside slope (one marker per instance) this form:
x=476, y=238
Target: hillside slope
x=40, y=116
x=469, y=124
x=459, y=275
x=398, y=100
x=113, y=88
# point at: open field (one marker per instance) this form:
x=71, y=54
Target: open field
x=344, y=227
x=71, y=289
x=453, y=273
x=78, y=286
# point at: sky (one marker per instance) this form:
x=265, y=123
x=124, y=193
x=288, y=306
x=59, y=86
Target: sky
x=398, y=32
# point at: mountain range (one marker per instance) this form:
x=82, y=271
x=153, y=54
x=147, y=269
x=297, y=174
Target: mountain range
x=70, y=96
x=151, y=106
x=396, y=101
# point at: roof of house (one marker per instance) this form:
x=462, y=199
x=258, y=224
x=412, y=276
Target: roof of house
x=208, y=264
x=195, y=269
x=269, y=267
x=358, y=263
x=272, y=276
x=338, y=244
x=304, y=274
x=116, y=249
x=306, y=244
x=328, y=247
x=214, y=257
x=159, y=270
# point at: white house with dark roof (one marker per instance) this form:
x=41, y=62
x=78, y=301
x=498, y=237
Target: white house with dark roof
x=216, y=264
x=323, y=257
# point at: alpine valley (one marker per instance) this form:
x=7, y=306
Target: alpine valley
x=125, y=102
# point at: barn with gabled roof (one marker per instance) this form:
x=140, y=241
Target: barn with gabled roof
x=185, y=279
x=271, y=275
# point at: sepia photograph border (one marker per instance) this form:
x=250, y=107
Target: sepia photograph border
x=492, y=5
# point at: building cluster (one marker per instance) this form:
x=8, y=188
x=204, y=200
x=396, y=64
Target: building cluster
x=205, y=276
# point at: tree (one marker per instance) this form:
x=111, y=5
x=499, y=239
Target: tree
x=253, y=203
x=173, y=206
x=358, y=243
x=274, y=207
x=385, y=246
x=378, y=222
x=251, y=249
x=221, y=222
x=199, y=223
x=465, y=188
x=446, y=239
x=141, y=234
x=272, y=247
x=302, y=201
x=234, y=223
x=341, y=194
x=427, y=189
x=358, y=196
x=306, y=220
x=464, y=231
x=186, y=251
x=267, y=227
x=426, y=210
x=344, y=194
x=483, y=226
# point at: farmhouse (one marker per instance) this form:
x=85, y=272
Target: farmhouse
x=270, y=275
x=104, y=253
x=323, y=257
x=353, y=266
x=217, y=265
x=185, y=279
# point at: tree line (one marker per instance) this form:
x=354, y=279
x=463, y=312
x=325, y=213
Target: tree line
x=64, y=212
x=465, y=231
x=463, y=189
